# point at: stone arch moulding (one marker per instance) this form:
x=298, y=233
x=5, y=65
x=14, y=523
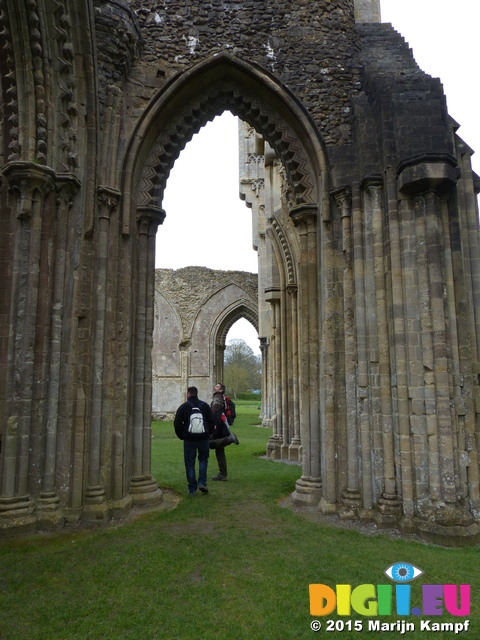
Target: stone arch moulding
x=220, y=329
x=230, y=317
x=231, y=302
x=206, y=304
x=222, y=83
x=181, y=109
x=283, y=251
x=290, y=270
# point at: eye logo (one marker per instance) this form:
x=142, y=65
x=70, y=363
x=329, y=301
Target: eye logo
x=402, y=572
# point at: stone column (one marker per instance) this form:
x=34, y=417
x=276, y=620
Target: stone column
x=272, y=401
x=296, y=443
x=400, y=355
x=328, y=360
x=351, y=495
x=30, y=182
x=442, y=256
x=465, y=272
x=276, y=307
x=388, y=505
x=308, y=488
x=149, y=324
x=459, y=407
x=441, y=368
x=462, y=408
x=275, y=442
x=218, y=371
x=363, y=410
x=50, y=512
x=422, y=378
x=471, y=247
x=264, y=352
x=96, y=507
x=143, y=486
x=284, y=388
x=185, y=352
x=78, y=451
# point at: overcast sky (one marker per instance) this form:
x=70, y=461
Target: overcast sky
x=208, y=225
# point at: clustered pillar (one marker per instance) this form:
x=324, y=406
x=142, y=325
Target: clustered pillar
x=47, y=448
x=143, y=486
x=308, y=487
x=43, y=203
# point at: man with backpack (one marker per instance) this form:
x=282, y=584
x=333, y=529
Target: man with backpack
x=194, y=422
x=224, y=413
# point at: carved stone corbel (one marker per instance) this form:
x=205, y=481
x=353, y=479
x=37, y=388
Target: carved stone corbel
x=427, y=174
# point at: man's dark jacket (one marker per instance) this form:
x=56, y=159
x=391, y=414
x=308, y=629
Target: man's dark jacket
x=182, y=420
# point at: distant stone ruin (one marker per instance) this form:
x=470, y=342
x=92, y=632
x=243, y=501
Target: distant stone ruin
x=194, y=310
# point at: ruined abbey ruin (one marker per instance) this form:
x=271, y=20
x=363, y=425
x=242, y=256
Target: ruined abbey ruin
x=194, y=310
x=368, y=241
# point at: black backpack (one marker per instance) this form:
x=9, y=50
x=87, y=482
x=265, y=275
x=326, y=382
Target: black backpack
x=230, y=412
x=196, y=424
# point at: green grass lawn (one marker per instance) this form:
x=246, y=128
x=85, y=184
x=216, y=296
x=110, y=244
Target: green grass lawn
x=230, y=565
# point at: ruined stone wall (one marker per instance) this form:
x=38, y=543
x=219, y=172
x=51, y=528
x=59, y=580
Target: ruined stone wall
x=194, y=309
x=308, y=46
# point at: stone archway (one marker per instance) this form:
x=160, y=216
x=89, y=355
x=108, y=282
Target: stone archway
x=194, y=310
x=369, y=305
x=220, y=83
x=211, y=87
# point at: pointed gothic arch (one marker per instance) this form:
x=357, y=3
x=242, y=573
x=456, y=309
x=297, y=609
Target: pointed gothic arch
x=196, y=307
x=187, y=103
x=234, y=312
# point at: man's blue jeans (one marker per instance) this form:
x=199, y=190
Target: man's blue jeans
x=190, y=448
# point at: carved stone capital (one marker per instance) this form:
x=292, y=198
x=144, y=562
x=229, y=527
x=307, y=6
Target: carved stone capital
x=343, y=199
x=107, y=200
x=24, y=179
x=373, y=187
x=292, y=290
x=372, y=180
x=67, y=186
x=149, y=218
x=304, y=214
